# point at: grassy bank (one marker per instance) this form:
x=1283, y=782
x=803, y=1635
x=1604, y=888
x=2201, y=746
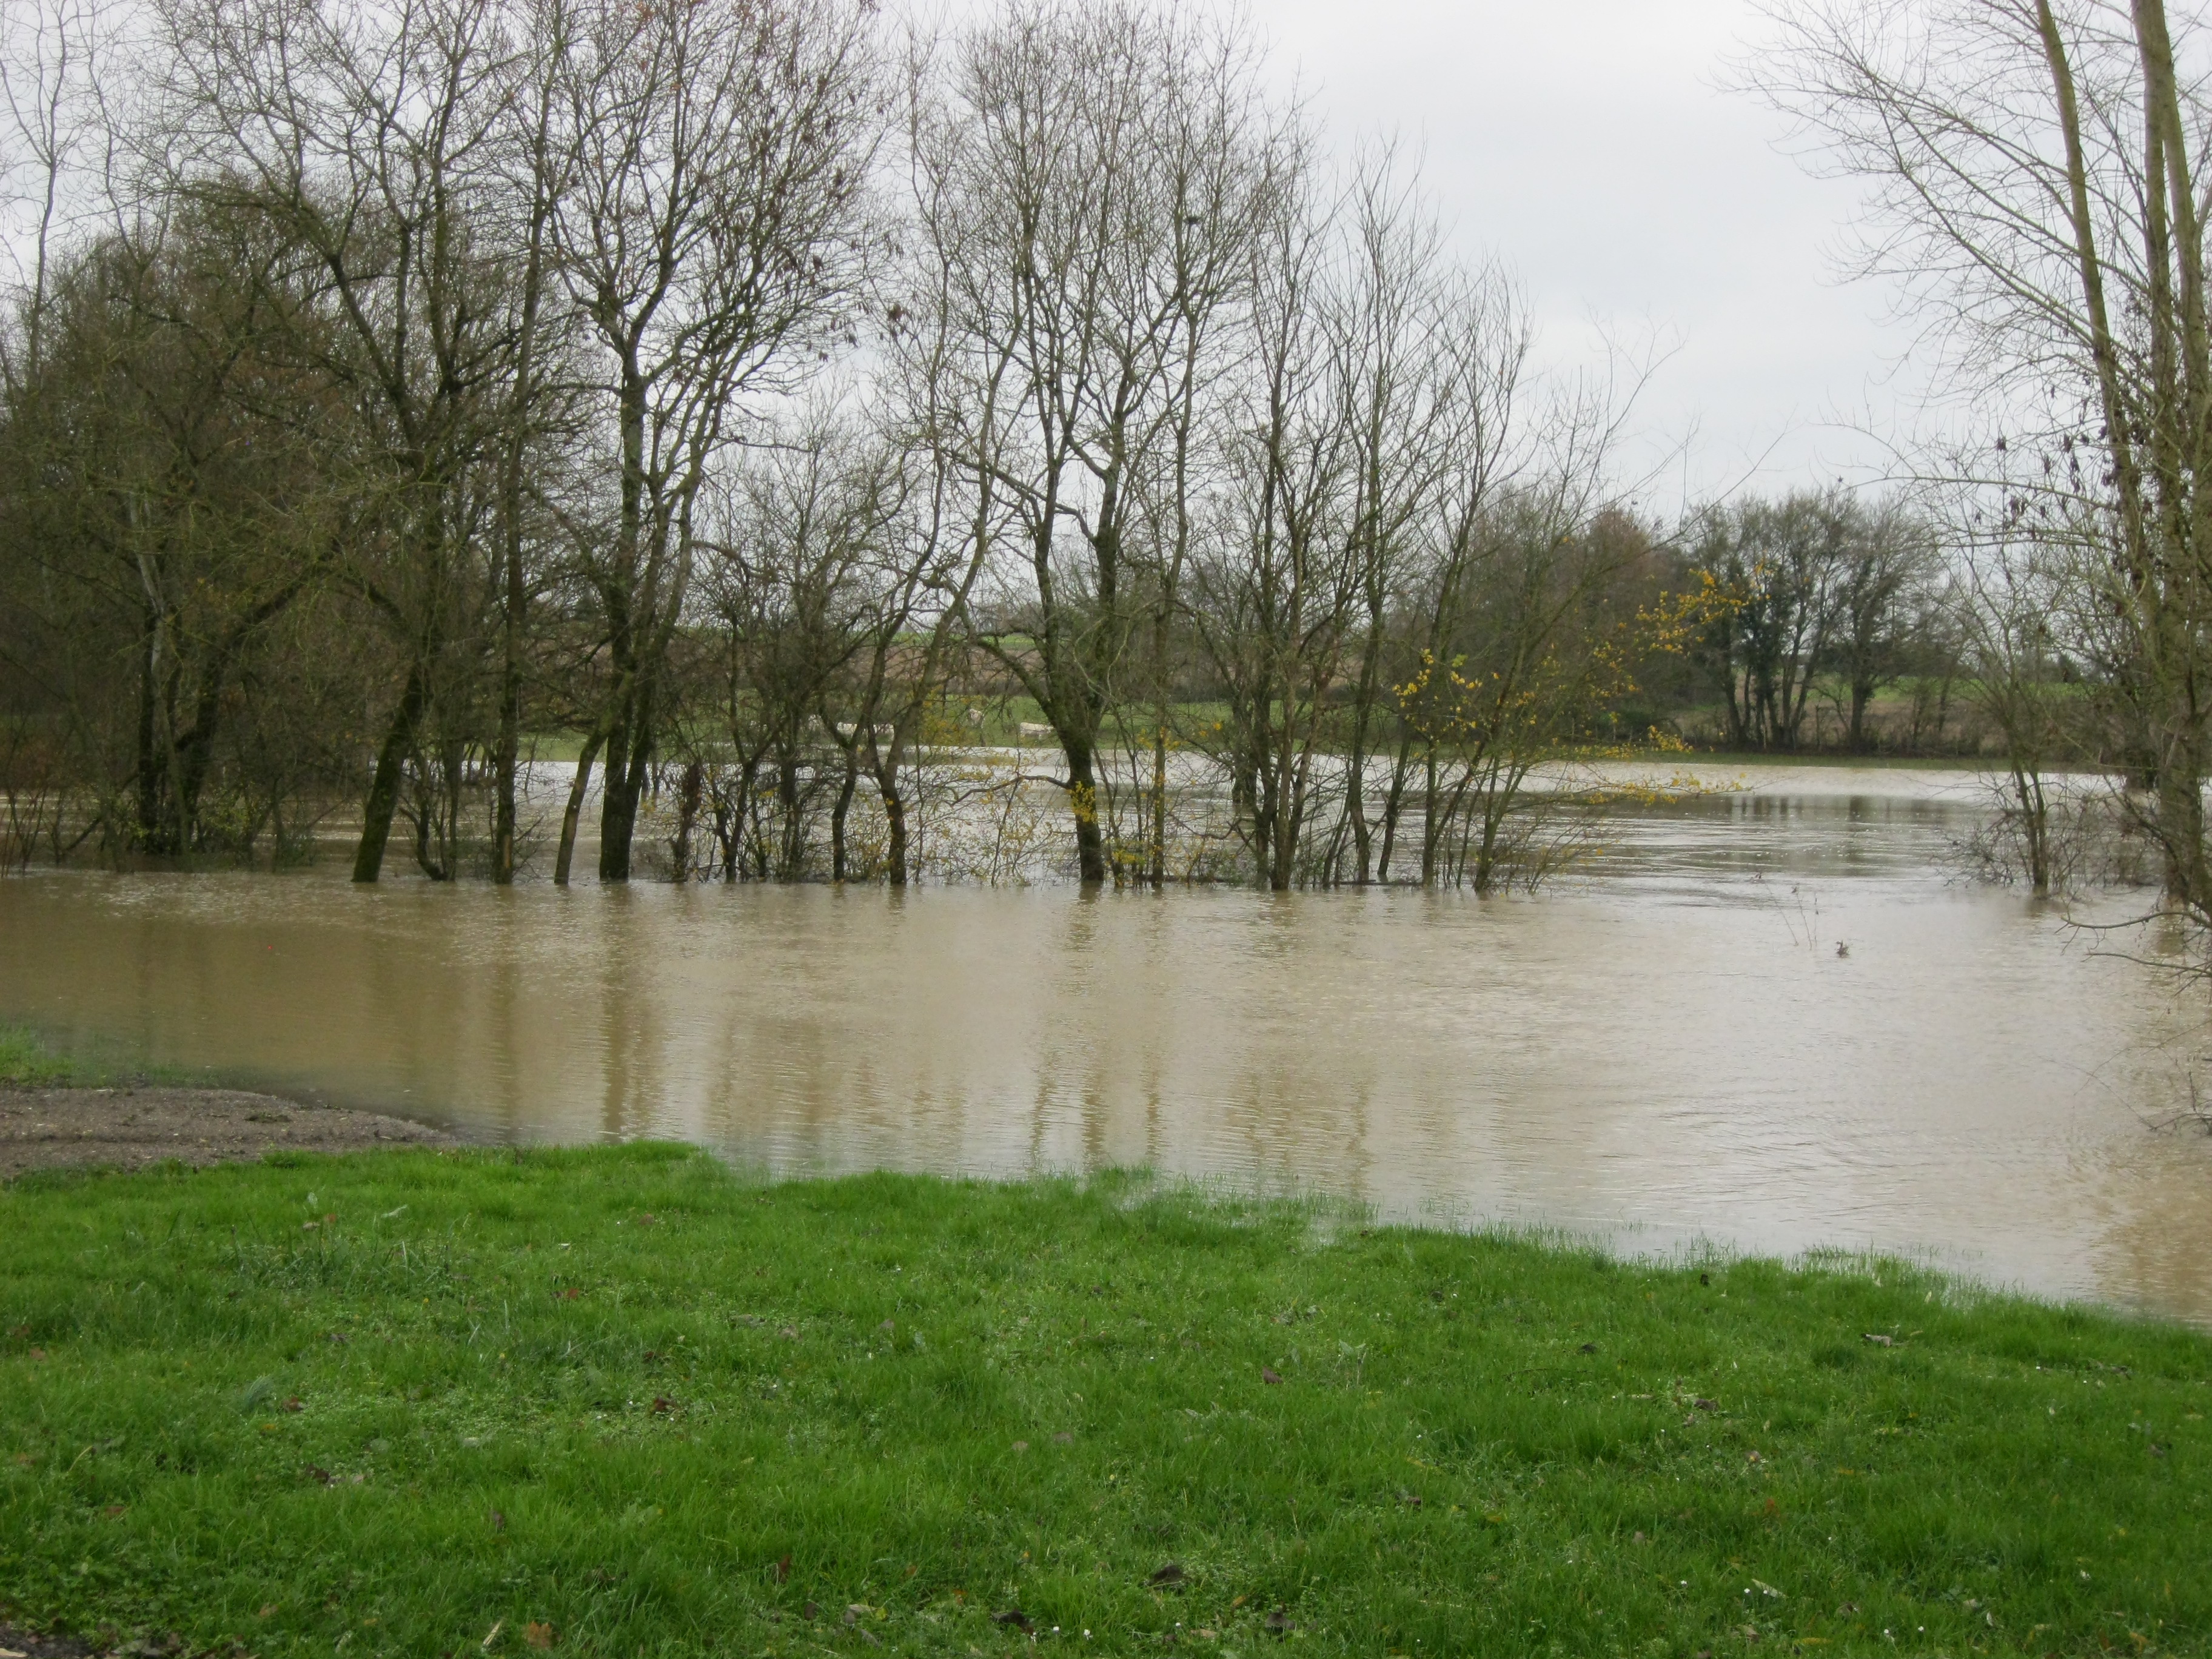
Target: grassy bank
x=27, y=1063
x=621, y=1402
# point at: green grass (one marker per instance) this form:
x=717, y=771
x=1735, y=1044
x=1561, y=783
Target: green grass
x=379, y=1405
x=27, y=1063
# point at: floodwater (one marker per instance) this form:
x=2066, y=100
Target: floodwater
x=1776, y=1018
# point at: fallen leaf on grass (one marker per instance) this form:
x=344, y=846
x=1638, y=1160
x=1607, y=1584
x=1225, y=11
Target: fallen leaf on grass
x=1587, y=1348
x=811, y=1610
x=539, y=1636
x=1279, y=1622
x=318, y=1473
x=492, y=1635
x=114, y=1509
x=1063, y=1438
x=292, y=1405
x=498, y=1521
x=1412, y=1500
x=570, y=1294
x=783, y=1570
x=1021, y=1445
x=1170, y=1576
x=788, y=1332
x=1267, y=1375
x=1879, y=1339
x=663, y=1404
x=1012, y=1616
x=269, y=1611
x=1704, y=1404
x=37, y=1353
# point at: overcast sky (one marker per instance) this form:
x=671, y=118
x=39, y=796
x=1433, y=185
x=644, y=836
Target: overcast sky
x=1590, y=144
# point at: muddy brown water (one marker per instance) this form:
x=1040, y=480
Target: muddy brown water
x=1667, y=1046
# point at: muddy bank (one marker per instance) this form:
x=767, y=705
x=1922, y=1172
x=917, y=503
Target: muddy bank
x=130, y=1128
x=20, y=1644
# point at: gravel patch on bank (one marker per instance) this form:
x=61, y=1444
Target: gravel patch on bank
x=132, y=1127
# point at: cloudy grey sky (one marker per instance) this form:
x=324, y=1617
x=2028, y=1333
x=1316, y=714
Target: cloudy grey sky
x=1590, y=144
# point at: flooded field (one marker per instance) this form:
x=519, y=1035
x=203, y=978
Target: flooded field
x=1775, y=1018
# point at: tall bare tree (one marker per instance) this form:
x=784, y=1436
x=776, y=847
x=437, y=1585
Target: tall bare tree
x=365, y=137
x=2037, y=171
x=1088, y=177
x=709, y=229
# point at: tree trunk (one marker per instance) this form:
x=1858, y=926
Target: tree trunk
x=793, y=851
x=1430, y=828
x=688, y=795
x=1159, y=827
x=629, y=754
x=1083, y=799
x=578, y=786
x=838, y=816
x=895, y=818
x=149, y=790
x=384, y=788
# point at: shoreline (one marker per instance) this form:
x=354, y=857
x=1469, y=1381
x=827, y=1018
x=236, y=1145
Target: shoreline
x=142, y=1126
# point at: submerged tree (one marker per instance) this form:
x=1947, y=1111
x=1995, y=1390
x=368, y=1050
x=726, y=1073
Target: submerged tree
x=2037, y=171
x=1089, y=180
x=708, y=230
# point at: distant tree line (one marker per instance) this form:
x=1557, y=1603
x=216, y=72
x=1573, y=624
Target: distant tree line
x=779, y=412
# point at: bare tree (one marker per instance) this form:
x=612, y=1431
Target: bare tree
x=365, y=137
x=57, y=148
x=2013, y=607
x=708, y=230
x=795, y=569
x=1086, y=178
x=540, y=395
x=1275, y=590
x=2037, y=171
